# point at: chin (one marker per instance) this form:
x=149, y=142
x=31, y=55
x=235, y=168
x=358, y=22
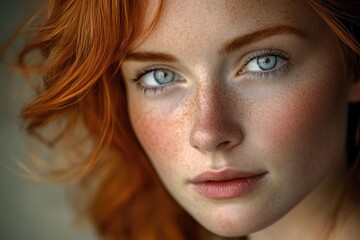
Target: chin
x=230, y=225
x=230, y=231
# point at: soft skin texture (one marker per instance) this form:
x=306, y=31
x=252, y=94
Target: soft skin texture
x=219, y=114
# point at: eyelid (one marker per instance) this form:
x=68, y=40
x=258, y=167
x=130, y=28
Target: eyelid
x=154, y=90
x=140, y=73
x=247, y=58
x=264, y=74
x=265, y=52
x=145, y=70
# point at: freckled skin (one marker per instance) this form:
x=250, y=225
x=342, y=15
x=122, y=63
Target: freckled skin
x=292, y=125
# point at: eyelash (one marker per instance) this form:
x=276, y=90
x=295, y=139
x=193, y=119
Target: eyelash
x=149, y=90
x=250, y=57
x=271, y=73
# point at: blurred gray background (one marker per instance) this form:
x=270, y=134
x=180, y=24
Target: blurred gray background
x=28, y=210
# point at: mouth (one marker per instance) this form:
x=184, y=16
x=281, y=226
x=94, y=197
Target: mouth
x=226, y=184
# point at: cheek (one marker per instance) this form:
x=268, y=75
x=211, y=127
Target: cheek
x=305, y=125
x=158, y=132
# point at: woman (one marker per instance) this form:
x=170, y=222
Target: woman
x=246, y=110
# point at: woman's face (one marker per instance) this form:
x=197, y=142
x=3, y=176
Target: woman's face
x=241, y=107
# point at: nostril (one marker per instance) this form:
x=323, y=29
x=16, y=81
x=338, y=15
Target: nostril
x=207, y=143
x=208, y=139
x=215, y=132
x=192, y=144
x=224, y=145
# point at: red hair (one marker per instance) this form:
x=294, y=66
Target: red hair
x=82, y=44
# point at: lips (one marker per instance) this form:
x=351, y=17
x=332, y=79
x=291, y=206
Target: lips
x=226, y=184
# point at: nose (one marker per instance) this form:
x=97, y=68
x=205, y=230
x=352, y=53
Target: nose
x=216, y=125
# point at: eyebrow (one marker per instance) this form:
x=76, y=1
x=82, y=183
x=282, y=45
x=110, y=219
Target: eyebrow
x=258, y=36
x=150, y=56
x=228, y=47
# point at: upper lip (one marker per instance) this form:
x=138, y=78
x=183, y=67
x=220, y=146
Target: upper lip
x=225, y=175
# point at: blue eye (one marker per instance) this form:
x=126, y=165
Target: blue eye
x=267, y=62
x=264, y=63
x=162, y=76
x=157, y=77
x=154, y=80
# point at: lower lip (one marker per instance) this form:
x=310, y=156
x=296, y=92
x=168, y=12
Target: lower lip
x=227, y=189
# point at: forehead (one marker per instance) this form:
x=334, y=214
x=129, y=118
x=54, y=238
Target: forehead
x=185, y=22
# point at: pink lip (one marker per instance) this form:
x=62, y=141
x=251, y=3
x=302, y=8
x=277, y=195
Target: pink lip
x=225, y=184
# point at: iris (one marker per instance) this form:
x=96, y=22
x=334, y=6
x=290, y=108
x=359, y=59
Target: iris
x=267, y=62
x=163, y=76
